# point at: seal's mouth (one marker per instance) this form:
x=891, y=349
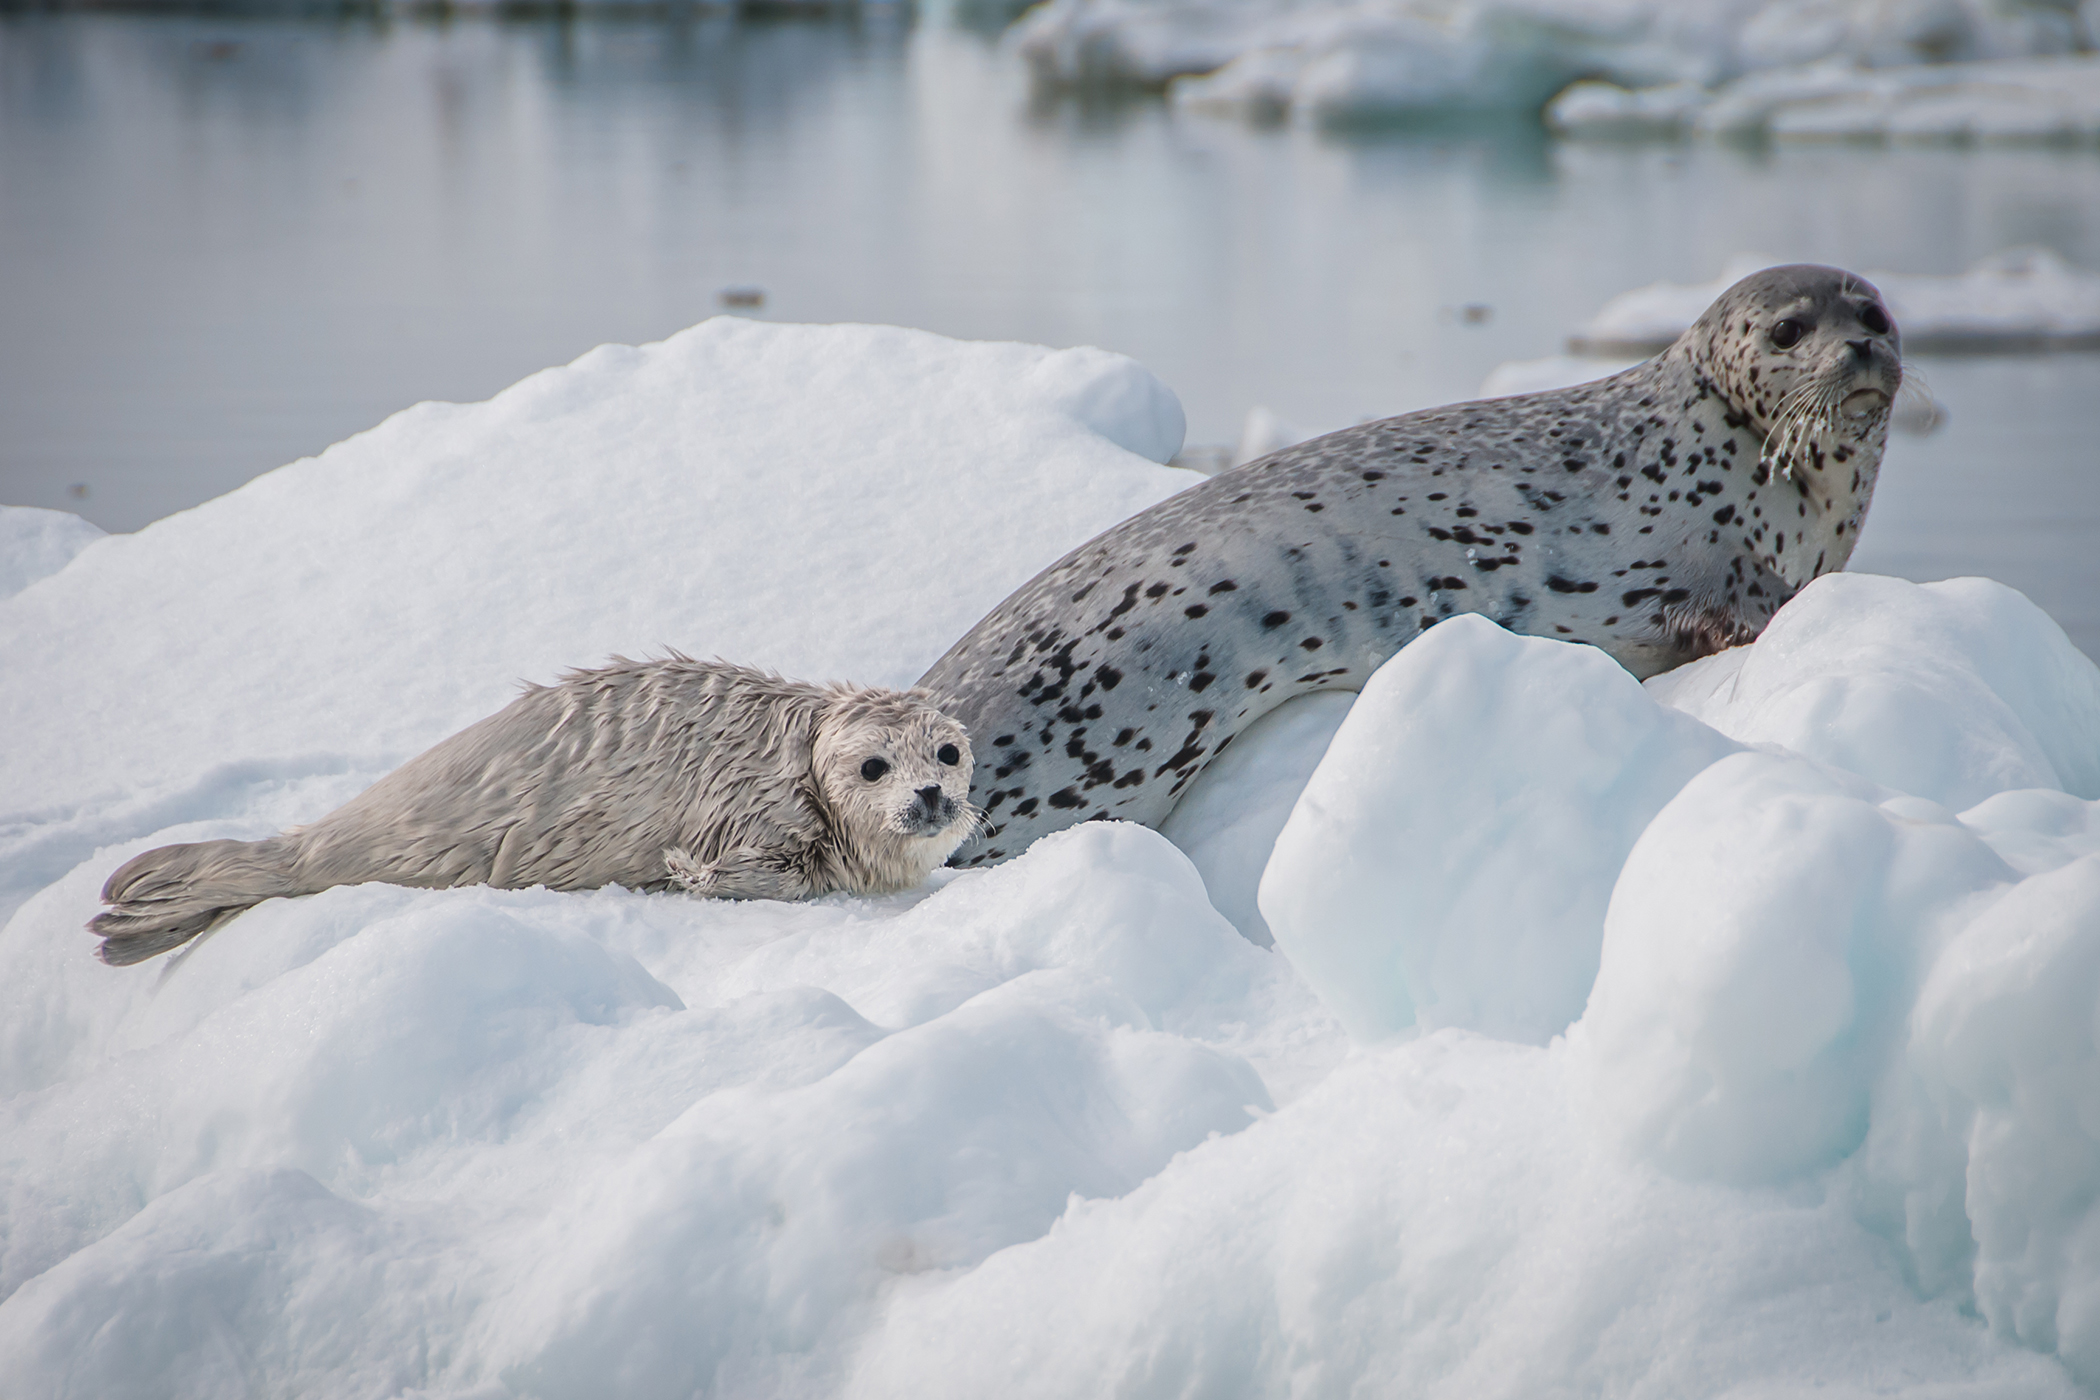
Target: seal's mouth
x=929, y=813
x=1863, y=403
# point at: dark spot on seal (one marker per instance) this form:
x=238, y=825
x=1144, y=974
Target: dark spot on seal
x=1272, y=621
x=1312, y=643
x=1065, y=798
x=1224, y=586
x=1195, y=610
x=1567, y=585
x=1255, y=678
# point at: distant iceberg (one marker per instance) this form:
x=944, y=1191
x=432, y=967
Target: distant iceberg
x=2006, y=100
x=1329, y=60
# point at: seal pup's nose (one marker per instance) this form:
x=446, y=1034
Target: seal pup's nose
x=930, y=797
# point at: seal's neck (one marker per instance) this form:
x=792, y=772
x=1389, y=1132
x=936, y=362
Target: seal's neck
x=1808, y=489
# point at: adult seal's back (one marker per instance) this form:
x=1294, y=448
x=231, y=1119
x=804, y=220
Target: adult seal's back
x=1661, y=514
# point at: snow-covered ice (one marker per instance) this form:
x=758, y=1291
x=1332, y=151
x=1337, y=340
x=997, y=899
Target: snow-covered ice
x=1735, y=1033
x=2022, y=299
x=1342, y=59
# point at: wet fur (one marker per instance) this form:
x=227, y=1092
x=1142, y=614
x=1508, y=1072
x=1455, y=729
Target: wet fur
x=716, y=779
x=1661, y=514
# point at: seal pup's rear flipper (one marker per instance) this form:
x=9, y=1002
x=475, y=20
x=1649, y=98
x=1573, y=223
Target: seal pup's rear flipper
x=170, y=894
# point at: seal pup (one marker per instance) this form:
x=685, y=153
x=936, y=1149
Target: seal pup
x=719, y=780
x=1661, y=514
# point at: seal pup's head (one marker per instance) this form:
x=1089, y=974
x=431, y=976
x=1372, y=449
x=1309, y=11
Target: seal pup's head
x=895, y=773
x=1811, y=355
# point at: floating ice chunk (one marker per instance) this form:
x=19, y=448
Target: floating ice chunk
x=1264, y=433
x=1450, y=862
x=37, y=543
x=1648, y=319
x=1600, y=110
x=2054, y=99
x=1547, y=374
x=1951, y=691
x=2019, y=299
x=1329, y=59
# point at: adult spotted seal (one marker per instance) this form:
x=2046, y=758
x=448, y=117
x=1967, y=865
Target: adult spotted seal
x=716, y=779
x=1661, y=514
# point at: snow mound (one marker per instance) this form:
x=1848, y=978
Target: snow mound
x=1741, y=1043
x=1325, y=60
x=2018, y=300
x=36, y=543
x=1950, y=691
x=1996, y=101
x=1803, y=973
x=1450, y=861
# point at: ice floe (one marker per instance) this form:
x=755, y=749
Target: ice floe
x=2023, y=299
x=1731, y=1033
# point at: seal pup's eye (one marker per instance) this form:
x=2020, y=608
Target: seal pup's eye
x=874, y=768
x=1786, y=334
x=948, y=754
x=1874, y=319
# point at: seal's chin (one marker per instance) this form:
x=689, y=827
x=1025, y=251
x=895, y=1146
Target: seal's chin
x=1863, y=403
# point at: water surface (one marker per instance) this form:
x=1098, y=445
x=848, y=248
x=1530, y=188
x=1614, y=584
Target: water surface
x=225, y=244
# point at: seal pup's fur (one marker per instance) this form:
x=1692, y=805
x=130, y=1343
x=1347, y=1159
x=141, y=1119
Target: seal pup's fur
x=720, y=780
x=1661, y=514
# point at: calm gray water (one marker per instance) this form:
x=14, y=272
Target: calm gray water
x=225, y=244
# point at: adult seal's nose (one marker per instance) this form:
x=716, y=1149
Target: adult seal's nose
x=1862, y=350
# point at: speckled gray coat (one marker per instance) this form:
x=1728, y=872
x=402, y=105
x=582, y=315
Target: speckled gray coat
x=1661, y=514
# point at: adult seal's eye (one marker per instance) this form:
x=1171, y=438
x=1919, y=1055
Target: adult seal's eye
x=874, y=768
x=1786, y=334
x=948, y=754
x=1874, y=319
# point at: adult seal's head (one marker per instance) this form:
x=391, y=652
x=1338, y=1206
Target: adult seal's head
x=1660, y=514
x=1811, y=356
